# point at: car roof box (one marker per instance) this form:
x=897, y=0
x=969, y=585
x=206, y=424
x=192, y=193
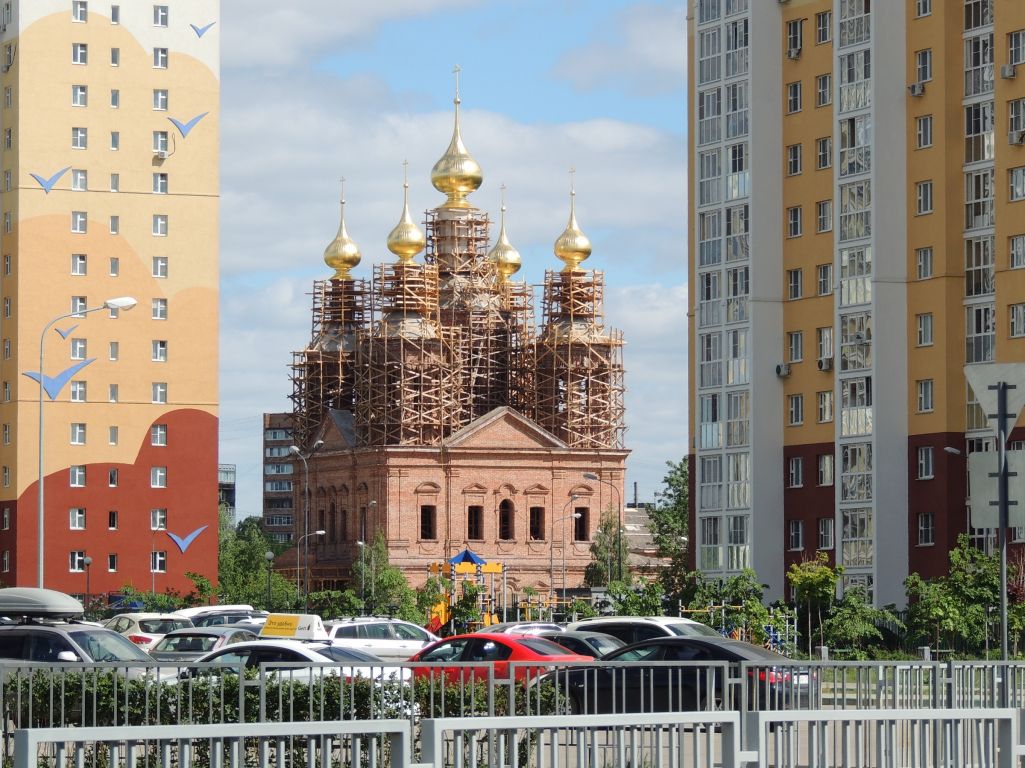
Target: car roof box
x=33, y=602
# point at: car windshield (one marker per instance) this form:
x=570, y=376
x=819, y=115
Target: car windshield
x=162, y=626
x=347, y=654
x=604, y=645
x=103, y=645
x=187, y=643
x=543, y=647
x=692, y=629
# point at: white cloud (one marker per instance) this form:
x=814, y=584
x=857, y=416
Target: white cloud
x=643, y=51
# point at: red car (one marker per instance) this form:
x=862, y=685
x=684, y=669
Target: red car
x=447, y=656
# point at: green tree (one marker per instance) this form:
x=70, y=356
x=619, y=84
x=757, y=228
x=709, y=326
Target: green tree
x=853, y=624
x=242, y=566
x=814, y=582
x=640, y=598
x=734, y=605
x=383, y=587
x=669, y=530
x=608, y=549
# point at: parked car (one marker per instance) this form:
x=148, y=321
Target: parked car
x=46, y=632
x=634, y=629
x=523, y=627
x=283, y=655
x=447, y=657
x=183, y=645
x=146, y=629
x=593, y=644
x=389, y=639
x=219, y=618
x=635, y=679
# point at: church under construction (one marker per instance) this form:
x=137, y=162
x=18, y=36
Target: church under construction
x=432, y=409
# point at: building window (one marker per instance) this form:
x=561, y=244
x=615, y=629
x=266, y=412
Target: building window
x=160, y=58
x=112, y=562
x=77, y=433
x=795, y=35
x=79, y=180
x=79, y=53
x=7, y=434
x=475, y=523
x=823, y=90
x=7, y=306
x=795, y=472
x=115, y=57
x=115, y=225
x=537, y=524
x=115, y=140
x=159, y=266
x=582, y=524
x=795, y=284
x=711, y=553
x=824, y=216
x=114, y=266
x=113, y=349
x=159, y=351
x=76, y=561
x=825, y=533
x=428, y=515
x=79, y=138
x=1017, y=320
x=76, y=476
x=980, y=333
x=79, y=96
x=158, y=519
x=159, y=309
x=158, y=562
x=825, y=469
x=823, y=27
x=825, y=406
x=924, y=323
x=160, y=99
x=795, y=535
x=78, y=306
x=925, y=462
x=112, y=476
x=506, y=519
x=159, y=183
x=923, y=8
x=925, y=395
x=158, y=477
x=795, y=346
x=160, y=15
x=926, y=529
x=793, y=97
x=115, y=98
x=158, y=435
x=78, y=349
x=77, y=518
x=923, y=196
x=1017, y=179
x=795, y=409
x=159, y=392
x=824, y=280
x=160, y=225
x=923, y=262
x=824, y=342
x=824, y=152
x=79, y=10
x=112, y=520
x=923, y=65
x=794, y=223
x=1016, y=47
x=112, y=435
x=923, y=132
x=793, y=159
x=115, y=182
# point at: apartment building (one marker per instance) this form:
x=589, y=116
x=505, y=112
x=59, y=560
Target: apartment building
x=279, y=477
x=858, y=173
x=110, y=128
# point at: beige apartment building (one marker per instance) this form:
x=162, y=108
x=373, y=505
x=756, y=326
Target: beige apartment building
x=857, y=237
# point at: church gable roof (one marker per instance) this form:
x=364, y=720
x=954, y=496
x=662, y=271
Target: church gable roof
x=503, y=427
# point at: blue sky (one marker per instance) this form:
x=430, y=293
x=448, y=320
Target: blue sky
x=346, y=88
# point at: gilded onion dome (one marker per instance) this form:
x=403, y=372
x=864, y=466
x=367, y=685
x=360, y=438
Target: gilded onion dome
x=342, y=254
x=456, y=174
x=573, y=246
x=503, y=257
x=406, y=240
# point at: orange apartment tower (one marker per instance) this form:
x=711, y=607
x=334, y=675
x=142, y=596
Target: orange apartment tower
x=110, y=131
x=829, y=330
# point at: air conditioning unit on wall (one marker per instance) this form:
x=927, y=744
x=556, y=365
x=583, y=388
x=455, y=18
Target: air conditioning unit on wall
x=916, y=89
x=1007, y=71
x=825, y=363
x=783, y=370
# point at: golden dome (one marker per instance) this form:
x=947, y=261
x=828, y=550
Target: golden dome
x=342, y=255
x=456, y=174
x=573, y=246
x=503, y=257
x=406, y=240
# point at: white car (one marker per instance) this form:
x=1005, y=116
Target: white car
x=390, y=639
x=147, y=629
x=283, y=655
x=634, y=629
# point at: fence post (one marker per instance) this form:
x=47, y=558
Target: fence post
x=823, y=652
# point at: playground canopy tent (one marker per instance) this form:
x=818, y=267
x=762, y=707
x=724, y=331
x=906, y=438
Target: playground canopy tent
x=468, y=556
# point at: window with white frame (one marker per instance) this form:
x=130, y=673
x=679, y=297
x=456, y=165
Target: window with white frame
x=923, y=263
x=923, y=8
x=738, y=419
x=79, y=304
x=855, y=276
x=823, y=27
x=795, y=284
x=795, y=409
x=924, y=325
x=737, y=544
x=824, y=152
x=160, y=16
x=158, y=519
x=977, y=13
x=825, y=406
x=160, y=225
x=709, y=59
x=158, y=435
x=980, y=333
x=112, y=393
x=159, y=392
x=79, y=262
x=795, y=35
x=79, y=222
x=76, y=476
x=855, y=210
x=115, y=140
x=112, y=477
x=1016, y=176
x=709, y=116
x=980, y=266
x=115, y=182
x=855, y=145
x=159, y=309
x=79, y=53
x=115, y=57
x=1016, y=251
x=6, y=434
x=79, y=138
x=925, y=395
x=738, y=174
x=76, y=561
x=795, y=227
x=737, y=109
x=159, y=351
x=160, y=99
x=79, y=10
x=115, y=98
x=736, y=44
x=923, y=197
x=926, y=529
x=160, y=58
x=925, y=465
x=79, y=96
x=978, y=61
x=1016, y=115
x=795, y=535
x=795, y=472
x=115, y=225
x=825, y=469
x=158, y=561
x=824, y=216
x=112, y=562
x=159, y=183
x=708, y=10
x=825, y=279
x=823, y=90
x=857, y=538
x=923, y=65
x=824, y=342
x=923, y=131
x=78, y=349
x=1016, y=47
x=793, y=159
x=7, y=306
x=855, y=71
x=738, y=480
x=77, y=518
x=710, y=177
x=795, y=346
x=825, y=533
x=710, y=360
x=710, y=482
x=710, y=421
x=112, y=435
x=710, y=549
x=160, y=141
x=77, y=433
x=1017, y=322
x=158, y=477
x=114, y=266
x=793, y=97
x=159, y=266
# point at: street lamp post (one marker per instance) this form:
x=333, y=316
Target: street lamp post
x=363, y=572
x=574, y=516
x=619, y=519
x=304, y=457
x=551, y=550
x=303, y=593
x=87, y=561
x=123, y=302
x=269, y=557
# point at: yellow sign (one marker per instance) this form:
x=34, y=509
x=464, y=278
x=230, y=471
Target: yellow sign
x=491, y=568
x=281, y=625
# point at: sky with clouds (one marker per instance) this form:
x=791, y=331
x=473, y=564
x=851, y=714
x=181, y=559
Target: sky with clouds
x=321, y=89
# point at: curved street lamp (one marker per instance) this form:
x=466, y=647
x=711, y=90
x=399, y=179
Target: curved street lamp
x=304, y=457
x=269, y=557
x=46, y=384
x=551, y=549
x=305, y=592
